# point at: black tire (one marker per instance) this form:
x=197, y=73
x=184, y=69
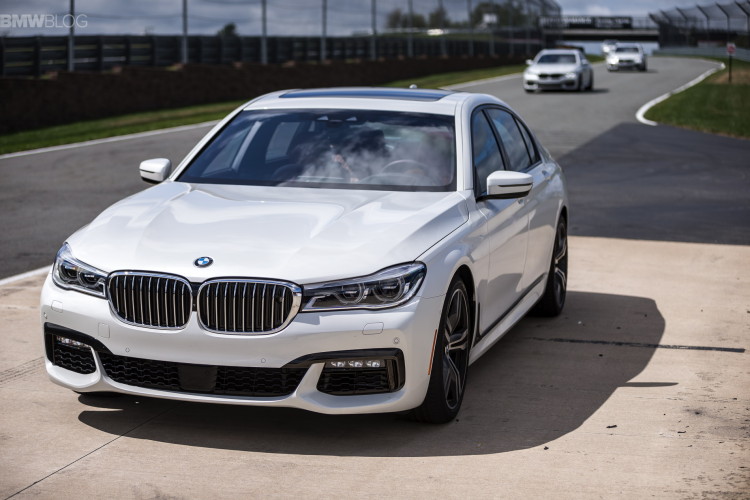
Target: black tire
x=590, y=88
x=553, y=300
x=450, y=360
x=579, y=84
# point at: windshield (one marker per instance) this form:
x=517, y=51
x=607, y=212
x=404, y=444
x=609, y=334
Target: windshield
x=342, y=149
x=627, y=49
x=557, y=59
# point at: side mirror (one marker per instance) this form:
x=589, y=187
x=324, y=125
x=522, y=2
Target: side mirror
x=156, y=170
x=506, y=184
x=529, y=62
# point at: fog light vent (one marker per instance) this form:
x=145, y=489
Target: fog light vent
x=73, y=355
x=348, y=377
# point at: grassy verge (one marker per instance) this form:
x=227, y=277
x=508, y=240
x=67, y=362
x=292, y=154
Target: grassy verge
x=445, y=79
x=141, y=122
x=714, y=105
x=109, y=127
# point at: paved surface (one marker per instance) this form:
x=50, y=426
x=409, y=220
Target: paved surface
x=638, y=390
x=627, y=170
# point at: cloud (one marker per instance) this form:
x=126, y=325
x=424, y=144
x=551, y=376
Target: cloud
x=598, y=10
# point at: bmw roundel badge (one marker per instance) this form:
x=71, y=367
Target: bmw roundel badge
x=203, y=261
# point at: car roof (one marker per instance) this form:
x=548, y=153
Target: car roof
x=559, y=51
x=415, y=100
x=371, y=93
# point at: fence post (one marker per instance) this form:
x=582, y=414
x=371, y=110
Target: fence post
x=128, y=51
x=100, y=53
x=323, y=33
x=374, y=36
x=409, y=34
x=729, y=19
x=264, y=35
x=746, y=11
x=154, y=52
x=72, y=37
x=471, y=29
x=2, y=56
x=38, y=56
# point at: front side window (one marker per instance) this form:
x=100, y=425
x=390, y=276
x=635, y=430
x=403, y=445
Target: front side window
x=486, y=154
x=340, y=149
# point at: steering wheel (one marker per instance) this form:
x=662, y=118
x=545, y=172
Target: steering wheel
x=399, y=166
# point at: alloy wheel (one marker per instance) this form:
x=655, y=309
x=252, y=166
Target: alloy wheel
x=456, y=347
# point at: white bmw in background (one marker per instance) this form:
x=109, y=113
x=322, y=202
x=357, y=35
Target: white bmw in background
x=336, y=250
x=627, y=56
x=558, y=69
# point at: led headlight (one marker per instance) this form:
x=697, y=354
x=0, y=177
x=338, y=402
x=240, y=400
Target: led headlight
x=73, y=274
x=571, y=76
x=388, y=288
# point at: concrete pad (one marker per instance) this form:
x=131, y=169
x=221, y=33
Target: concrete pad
x=639, y=389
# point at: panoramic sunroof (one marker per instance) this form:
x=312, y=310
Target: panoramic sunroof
x=373, y=93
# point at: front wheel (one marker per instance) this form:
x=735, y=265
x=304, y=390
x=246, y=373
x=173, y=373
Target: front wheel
x=450, y=360
x=552, y=301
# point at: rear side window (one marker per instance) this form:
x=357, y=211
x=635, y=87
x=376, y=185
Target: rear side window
x=530, y=146
x=512, y=139
x=486, y=154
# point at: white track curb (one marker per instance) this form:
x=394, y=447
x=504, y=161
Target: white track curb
x=29, y=274
x=116, y=138
x=640, y=114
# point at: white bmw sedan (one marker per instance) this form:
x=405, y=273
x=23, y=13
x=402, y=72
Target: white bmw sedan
x=558, y=69
x=346, y=250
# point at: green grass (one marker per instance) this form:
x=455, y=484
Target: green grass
x=713, y=106
x=445, y=79
x=109, y=127
x=153, y=120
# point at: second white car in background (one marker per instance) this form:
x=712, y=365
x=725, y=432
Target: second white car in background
x=627, y=56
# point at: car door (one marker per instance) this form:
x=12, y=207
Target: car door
x=506, y=223
x=539, y=206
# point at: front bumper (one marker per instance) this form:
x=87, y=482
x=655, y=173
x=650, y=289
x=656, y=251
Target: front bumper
x=287, y=368
x=624, y=64
x=534, y=82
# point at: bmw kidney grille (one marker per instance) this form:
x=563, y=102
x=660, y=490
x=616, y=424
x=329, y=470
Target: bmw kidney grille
x=230, y=306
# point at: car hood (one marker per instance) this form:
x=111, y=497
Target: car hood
x=297, y=234
x=553, y=68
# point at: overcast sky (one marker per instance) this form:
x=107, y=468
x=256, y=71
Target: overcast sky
x=285, y=17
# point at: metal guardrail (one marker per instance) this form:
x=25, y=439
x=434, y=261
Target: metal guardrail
x=721, y=52
x=35, y=56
